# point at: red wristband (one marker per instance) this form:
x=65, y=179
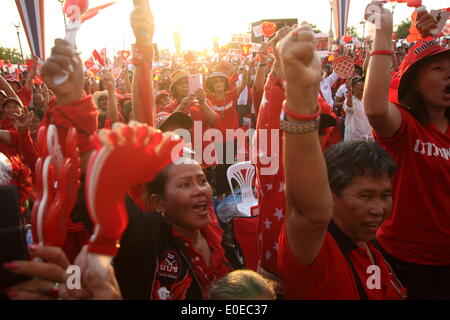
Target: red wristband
x=382, y=52
x=300, y=117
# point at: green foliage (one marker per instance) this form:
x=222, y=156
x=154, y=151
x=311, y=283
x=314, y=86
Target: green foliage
x=351, y=31
x=315, y=28
x=403, y=29
x=10, y=54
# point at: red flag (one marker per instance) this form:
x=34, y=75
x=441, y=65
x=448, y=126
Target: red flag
x=92, y=12
x=414, y=34
x=97, y=57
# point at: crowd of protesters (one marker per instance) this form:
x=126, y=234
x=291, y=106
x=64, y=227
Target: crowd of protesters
x=358, y=207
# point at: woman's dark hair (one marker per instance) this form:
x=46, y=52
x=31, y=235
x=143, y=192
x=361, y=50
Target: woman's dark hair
x=350, y=159
x=158, y=185
x=410, y=96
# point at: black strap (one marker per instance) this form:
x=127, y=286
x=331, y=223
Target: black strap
x=346, y=245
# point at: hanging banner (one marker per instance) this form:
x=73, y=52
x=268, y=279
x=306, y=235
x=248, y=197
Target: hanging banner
x=32, y=16
x=340, y=11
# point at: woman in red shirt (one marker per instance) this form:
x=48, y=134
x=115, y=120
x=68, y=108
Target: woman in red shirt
x=224, y=102
x=416, y=133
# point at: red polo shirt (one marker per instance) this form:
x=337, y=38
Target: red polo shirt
x=330, y=276
x=418, y=229
x=218, y=264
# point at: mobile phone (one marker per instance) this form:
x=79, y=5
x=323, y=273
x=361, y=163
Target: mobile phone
x=195, y=82
x=13, y=245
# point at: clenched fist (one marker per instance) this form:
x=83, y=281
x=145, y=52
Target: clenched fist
x=300, y=65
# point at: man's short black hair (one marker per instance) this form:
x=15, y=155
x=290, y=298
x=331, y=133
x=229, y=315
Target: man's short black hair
x=350, y=159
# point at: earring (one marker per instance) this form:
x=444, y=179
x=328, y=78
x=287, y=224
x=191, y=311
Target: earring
x=162, y=212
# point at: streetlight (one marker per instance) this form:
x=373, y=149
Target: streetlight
x=393, y=9
x=363, y=23
x=17, y=26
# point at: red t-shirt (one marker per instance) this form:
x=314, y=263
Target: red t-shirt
x=25, y=96
x=20, y=144
x=257, y=98
x=226, y=108
x=330, y=276
x=418, y=229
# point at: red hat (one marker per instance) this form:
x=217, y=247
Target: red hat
x=11, y=99
x=423, y=49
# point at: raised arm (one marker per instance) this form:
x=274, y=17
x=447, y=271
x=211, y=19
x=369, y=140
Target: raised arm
x=126, y=78
x=309, y=201
x=349, y=100
x=260, y=77
x=384, y=118
x=31, y=74
x=111, y=111
x=143, y=28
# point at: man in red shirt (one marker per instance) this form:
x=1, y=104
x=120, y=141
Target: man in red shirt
x=324, y=248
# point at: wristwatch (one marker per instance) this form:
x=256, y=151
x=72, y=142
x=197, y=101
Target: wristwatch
x=297, y=127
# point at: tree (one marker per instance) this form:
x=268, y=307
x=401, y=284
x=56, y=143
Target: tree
x=351, y=31
x=10, y=54
x=315, y=28
x=403, y=29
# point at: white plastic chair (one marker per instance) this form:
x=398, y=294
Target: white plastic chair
x=245, y=184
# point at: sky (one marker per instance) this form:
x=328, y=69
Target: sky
x=199, y=21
